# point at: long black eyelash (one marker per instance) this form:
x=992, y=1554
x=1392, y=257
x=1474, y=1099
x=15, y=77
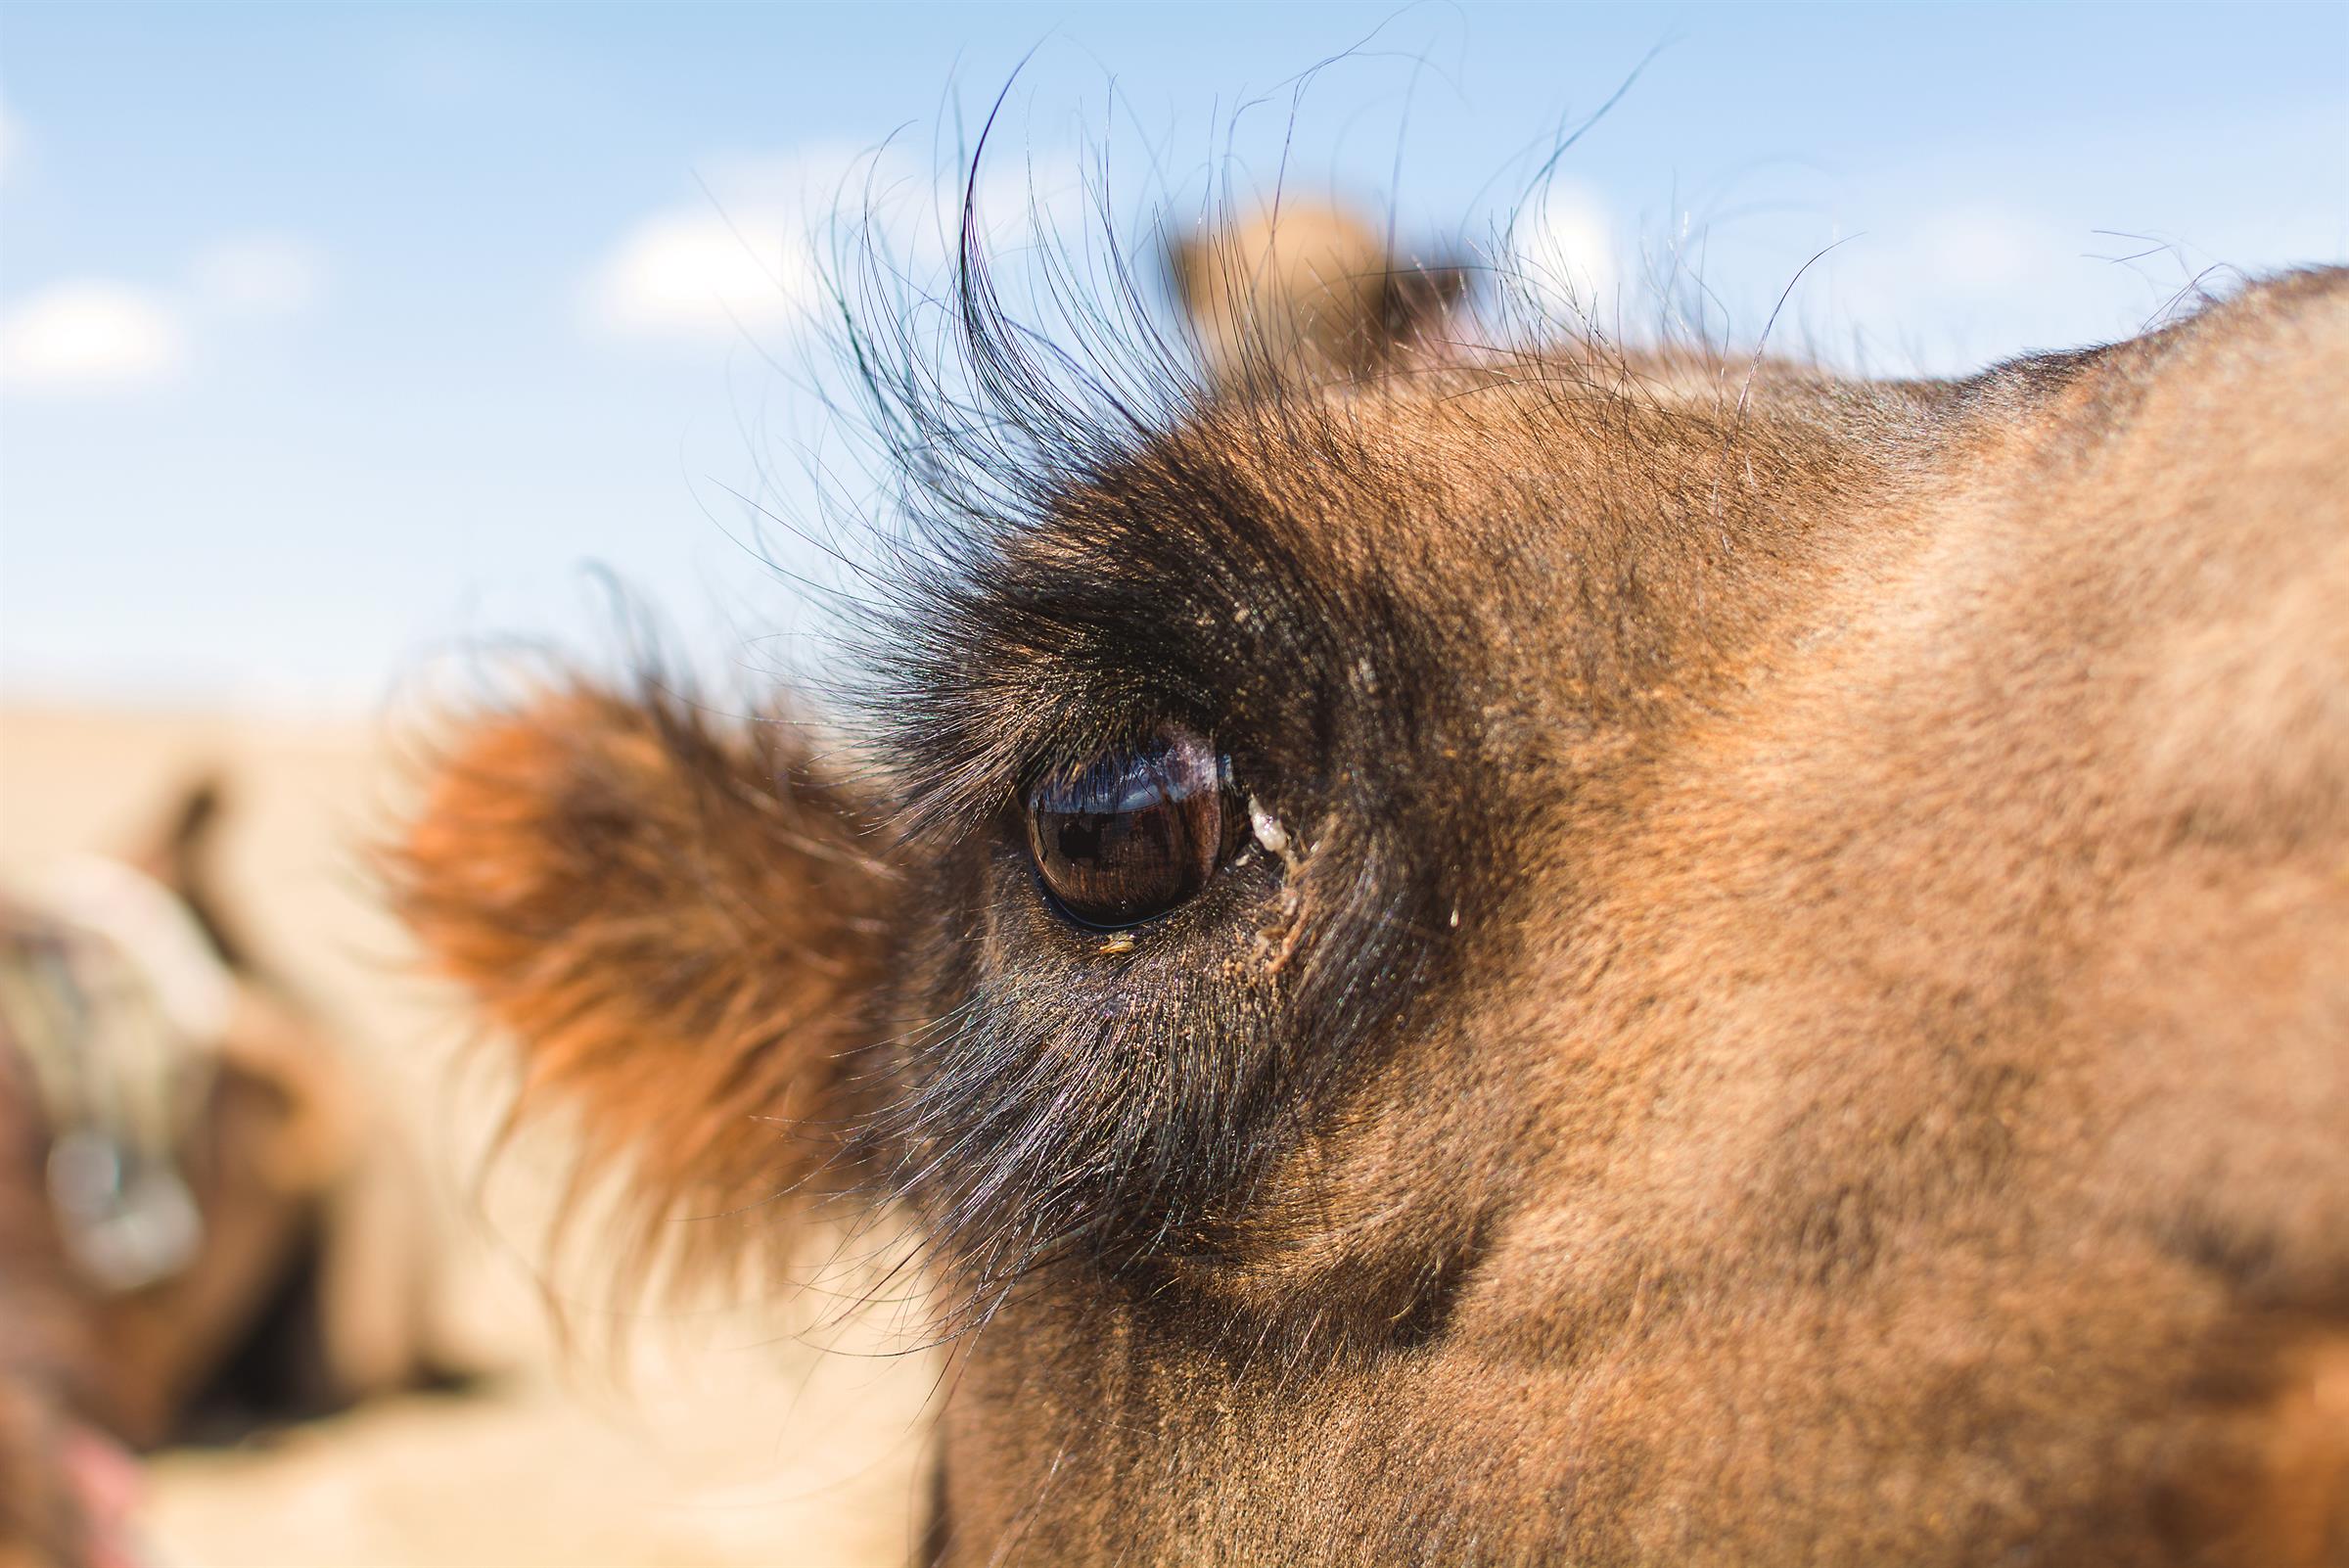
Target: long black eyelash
x=986, y=430
x=1021, y=1133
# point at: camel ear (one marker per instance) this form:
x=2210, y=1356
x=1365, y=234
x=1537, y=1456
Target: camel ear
x=1420, y=299
x=1305, y=293
x=679, y=922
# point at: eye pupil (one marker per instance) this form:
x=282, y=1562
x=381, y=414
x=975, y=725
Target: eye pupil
x=1132, y=834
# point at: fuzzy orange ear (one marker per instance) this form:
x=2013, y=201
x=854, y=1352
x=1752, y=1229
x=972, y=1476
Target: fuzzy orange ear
x=679, y=925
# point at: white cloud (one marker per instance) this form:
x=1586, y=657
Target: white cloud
x=751, y=255
x=1562, y=245
x=743, y=258
x=704, y=275
x=88, y=336
x=94, y=336
x=261, y=275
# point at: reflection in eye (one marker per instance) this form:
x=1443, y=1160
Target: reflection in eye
x=1132, y=834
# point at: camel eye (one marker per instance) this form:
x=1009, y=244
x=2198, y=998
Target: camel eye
x=1133, y=833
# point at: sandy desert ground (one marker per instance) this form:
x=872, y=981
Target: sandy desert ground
x=732, y=1438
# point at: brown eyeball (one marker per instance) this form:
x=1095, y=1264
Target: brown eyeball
x=1133, y=833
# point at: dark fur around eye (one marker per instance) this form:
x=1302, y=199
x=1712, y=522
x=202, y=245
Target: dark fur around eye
x=1085, y=555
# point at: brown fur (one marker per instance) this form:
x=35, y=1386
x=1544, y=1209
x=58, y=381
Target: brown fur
x=733, y=920
x=1805, y=1018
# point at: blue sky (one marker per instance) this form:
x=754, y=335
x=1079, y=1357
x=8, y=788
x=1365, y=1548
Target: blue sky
x=333, y=337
